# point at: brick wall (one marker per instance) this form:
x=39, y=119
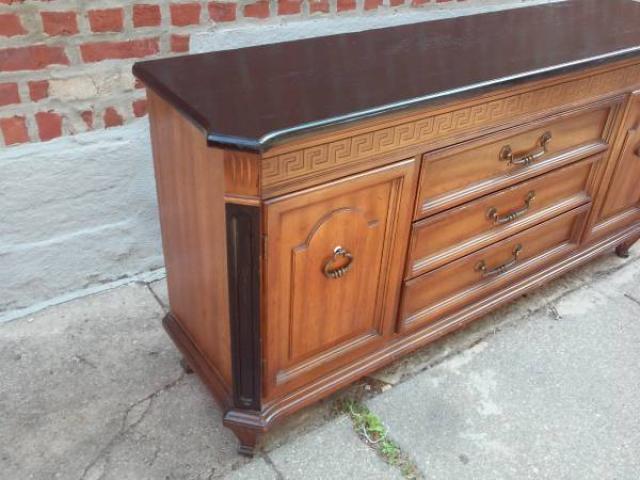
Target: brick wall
x=65, y=65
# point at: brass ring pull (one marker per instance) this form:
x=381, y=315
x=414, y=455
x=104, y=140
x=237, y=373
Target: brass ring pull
x=527, y=158
x=482, y=266
x=330, y=271
x=492, y=213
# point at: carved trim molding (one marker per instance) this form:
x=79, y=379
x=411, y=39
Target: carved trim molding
x=243, y=263
x=348, y=151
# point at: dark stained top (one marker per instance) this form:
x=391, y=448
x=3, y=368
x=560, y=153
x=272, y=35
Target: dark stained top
x=251, y=98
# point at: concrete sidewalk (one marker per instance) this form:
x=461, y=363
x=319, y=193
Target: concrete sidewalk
x=547, y=387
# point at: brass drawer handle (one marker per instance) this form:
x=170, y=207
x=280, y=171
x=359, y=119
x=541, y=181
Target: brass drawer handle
x=482, y=266
x=339, y=272
x=526, y=159
x=497, y=219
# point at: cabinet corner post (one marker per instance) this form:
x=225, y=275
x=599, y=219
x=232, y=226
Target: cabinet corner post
x=243, y=263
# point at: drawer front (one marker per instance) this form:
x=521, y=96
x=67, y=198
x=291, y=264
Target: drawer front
x=442, y=291
x=449, y=235
x=332, y=275
x=455, y=175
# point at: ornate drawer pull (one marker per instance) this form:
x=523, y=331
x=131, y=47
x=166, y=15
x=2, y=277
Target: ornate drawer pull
x=526, y=159
x=482, y=266
x=492, y=213
x=339, y=272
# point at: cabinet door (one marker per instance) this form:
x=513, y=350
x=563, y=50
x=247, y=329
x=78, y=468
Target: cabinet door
x=334, y=261
x=622, y=201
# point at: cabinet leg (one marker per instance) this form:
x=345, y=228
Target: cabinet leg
x=185, y=366
x=247, y=440
x=622, y=250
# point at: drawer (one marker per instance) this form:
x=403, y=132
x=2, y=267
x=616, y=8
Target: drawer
x=449, y=235
x=455, y=175
x=442, y=291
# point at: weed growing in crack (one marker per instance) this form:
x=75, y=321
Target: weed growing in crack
x=373, y=432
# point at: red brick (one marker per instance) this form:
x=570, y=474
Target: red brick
x=9, y=94
x=289, y=7
x=395, y=3
x=38, y=90
x=372, y=4
x=112, y=118
x=344, y=5
x=35, y=57
x=222, y=11
x=179, y=43
x=184, y=14
x=49, y=125
x=259, y=9
x=319, y=6
x=87, y=118
x=59, y=23
x=107, y=20
x=417, y=3
x=146, y=15
x=140, y=107
x=14, y=130
x=98, y=51
x=10, y=25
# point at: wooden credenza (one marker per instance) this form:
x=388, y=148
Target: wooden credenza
x=328, y=205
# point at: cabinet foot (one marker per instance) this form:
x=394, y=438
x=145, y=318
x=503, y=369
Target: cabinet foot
x=622, y=250
x=186, y=367
x=247, y=441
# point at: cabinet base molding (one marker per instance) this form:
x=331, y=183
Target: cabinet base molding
x=248, y=425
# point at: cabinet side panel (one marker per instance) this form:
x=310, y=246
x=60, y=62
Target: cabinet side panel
x=190, y=186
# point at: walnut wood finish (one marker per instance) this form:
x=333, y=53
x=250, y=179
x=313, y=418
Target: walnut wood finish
x=297, y=269
x=192, y=217
x=621, y=203
x=368, y=216
x=313, y=160
x=449, y=235
x=461, y=282
x=454, y=175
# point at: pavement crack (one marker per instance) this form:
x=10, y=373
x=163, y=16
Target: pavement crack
x=154, y=457
x=269, y=462
x=82, y=359
x=212, y=474
x=372, y=431
x=155, y=295
x=632, y=298
x=555, y=314
x=131, y=418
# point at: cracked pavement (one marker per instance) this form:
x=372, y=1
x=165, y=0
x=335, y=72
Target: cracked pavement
x=545, y=387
